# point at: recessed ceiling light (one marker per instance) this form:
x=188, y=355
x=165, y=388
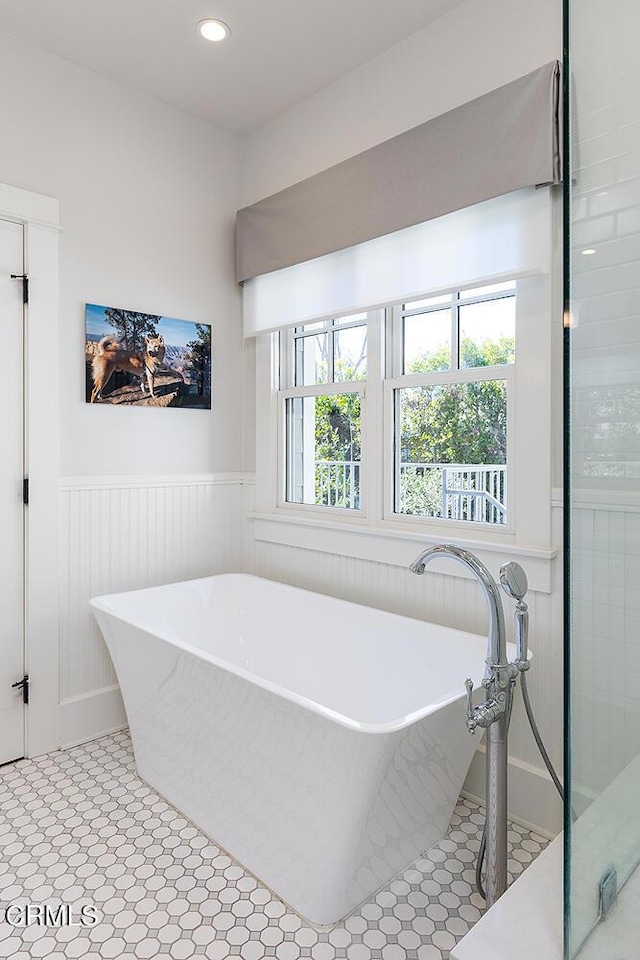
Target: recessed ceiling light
x=588, y=253
x=214, y=30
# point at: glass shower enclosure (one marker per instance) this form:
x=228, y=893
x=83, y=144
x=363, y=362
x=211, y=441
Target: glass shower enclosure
x=602, y=479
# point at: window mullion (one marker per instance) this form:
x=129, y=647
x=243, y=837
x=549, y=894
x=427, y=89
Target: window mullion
x=331, y=366
x=290, y=361
x=373, y=446
x=464, y=375
x=455, y=334
x=394, y=341
x=397, y=470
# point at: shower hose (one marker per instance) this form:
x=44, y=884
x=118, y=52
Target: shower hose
x=543, y=753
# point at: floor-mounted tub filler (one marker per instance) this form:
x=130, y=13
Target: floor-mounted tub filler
x=322, y=743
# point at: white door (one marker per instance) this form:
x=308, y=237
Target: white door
x=11, y=493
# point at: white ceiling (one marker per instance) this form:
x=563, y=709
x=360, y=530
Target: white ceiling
x=279, y=52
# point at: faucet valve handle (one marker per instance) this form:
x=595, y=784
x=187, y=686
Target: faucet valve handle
x=471, y=718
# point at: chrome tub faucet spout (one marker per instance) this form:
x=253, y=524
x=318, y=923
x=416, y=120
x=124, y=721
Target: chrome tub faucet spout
x=497, y=645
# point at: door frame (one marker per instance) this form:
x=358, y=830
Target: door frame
x=39, y=215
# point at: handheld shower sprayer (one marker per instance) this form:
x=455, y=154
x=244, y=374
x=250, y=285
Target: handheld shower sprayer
x=513, y=581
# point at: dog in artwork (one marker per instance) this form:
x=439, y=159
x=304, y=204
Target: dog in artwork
x=111, y=355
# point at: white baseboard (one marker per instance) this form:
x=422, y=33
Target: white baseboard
x=91, y=715
x=533, y=800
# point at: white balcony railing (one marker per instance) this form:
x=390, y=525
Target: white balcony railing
x=475, y=492
x=338, y=483
x=456, y=491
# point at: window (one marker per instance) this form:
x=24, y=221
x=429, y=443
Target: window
x=450, y=393
x=323, y=370
x=431, y=417
x=449, y=363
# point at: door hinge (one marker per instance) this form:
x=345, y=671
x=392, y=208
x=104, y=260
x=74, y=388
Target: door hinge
x=24, y=686
x=25, y=490
x=25, y=284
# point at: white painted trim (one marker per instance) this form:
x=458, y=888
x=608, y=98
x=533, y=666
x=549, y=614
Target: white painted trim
x=23, y=206
x=390, y=545
x=143, y=482
x=533, y=799
x=41, y=463
x=91, y=715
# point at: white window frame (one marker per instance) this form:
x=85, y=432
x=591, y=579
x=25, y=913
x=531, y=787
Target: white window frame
x=332, y=326
x=397, y=380
x=284, y=344
x=321, y=390
x=467, y=375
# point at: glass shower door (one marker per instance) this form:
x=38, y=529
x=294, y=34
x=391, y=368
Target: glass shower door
x=602, y=829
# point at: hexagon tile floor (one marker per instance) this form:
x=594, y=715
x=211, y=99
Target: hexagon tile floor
x=79, y=827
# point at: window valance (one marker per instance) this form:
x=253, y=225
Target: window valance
x=500, y=142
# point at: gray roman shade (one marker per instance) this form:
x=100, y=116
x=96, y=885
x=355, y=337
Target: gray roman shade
x=502, y=141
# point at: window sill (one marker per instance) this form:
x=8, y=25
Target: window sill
x=386, y=543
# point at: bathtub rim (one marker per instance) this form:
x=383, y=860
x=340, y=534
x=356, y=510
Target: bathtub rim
x=101, y=604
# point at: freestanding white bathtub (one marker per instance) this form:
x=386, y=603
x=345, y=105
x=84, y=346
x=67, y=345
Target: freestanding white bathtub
x=321, y=743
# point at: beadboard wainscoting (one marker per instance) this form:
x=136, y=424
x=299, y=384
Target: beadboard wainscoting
x=123, y=533
x=456, y=602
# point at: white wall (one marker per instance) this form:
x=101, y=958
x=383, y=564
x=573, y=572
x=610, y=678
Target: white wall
x=476, y=47
x=147, y=201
